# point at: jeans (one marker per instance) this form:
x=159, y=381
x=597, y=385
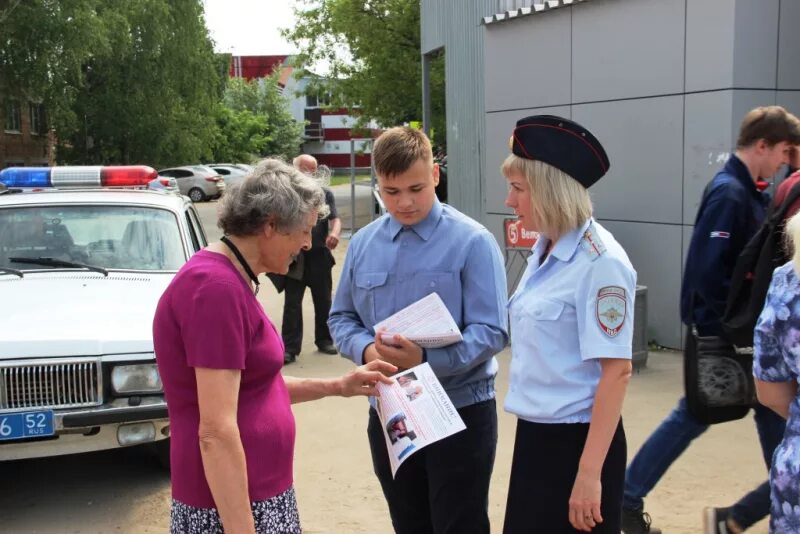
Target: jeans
x=674, y=435
x=443, y=488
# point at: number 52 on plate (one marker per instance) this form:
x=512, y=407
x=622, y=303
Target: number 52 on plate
x=23, y=425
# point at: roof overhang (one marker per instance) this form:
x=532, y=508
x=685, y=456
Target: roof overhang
x=547, y=5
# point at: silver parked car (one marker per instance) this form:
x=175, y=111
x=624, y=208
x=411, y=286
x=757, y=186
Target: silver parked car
x=198, y=182
x=231, y=172
x=164, y=183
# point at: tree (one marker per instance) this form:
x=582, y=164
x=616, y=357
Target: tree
x=151, y=96
x=43, y=47
x=373, y=50
x=255, y=122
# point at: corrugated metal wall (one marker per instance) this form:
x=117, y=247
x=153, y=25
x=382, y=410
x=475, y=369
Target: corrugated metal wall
x=454, y=26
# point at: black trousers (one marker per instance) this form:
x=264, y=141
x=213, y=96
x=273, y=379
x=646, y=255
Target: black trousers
x=543, y=472
x=320, y=281
x=443, y=488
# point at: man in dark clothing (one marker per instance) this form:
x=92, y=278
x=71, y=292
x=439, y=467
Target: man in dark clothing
x=731, y=211
x=311, y=269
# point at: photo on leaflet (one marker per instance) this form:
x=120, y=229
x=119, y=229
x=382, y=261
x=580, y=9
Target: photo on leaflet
x=401, y=434
x=411, y=386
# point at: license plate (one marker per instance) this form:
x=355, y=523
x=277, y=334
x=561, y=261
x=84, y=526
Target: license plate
x=25, y=425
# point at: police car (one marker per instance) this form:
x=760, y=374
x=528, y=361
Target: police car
x=84, y=258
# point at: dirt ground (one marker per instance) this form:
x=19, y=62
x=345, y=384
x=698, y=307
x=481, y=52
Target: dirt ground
x=124, y=491
x=338, y=492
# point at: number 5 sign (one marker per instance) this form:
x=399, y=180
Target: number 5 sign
x=517, y=237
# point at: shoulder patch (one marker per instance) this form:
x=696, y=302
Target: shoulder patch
x=611, y=309
x=592, y=244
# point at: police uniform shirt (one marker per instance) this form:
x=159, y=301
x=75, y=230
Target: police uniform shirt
x=566, y=314
x=389, y=266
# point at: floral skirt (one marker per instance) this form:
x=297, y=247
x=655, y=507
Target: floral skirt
x=277, y=515
x=785, y=484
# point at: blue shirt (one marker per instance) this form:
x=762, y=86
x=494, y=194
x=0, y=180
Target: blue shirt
x=389, y=266
x=574, y=308
x=776, y=358
x=777, y=339
x=730, y=213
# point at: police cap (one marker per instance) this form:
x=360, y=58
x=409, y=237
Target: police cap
x=562, y=143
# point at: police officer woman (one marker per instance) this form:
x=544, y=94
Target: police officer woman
x=571, y=332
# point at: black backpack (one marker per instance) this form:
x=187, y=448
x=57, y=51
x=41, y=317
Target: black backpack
x=753, y=273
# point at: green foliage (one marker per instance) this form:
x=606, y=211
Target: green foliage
x=43, y=47
x=137, y=81
x=255, y=122
x=152, y=98
x=373, y=50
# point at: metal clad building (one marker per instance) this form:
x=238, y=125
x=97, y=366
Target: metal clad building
x=455, y=26
x=663, y=83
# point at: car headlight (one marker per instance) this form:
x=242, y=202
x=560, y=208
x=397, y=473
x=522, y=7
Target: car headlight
x=137, y=378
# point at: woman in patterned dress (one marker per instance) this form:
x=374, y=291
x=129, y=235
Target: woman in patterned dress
x=776, y=366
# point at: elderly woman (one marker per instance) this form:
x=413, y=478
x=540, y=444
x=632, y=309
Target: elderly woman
x=220, y=358
x=776, y=367
x=571, y=333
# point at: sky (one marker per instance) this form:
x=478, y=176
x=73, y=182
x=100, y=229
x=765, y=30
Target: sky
x=249, y=27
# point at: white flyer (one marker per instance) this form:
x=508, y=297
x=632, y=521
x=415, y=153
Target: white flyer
x=427, y=322
x=415, y=411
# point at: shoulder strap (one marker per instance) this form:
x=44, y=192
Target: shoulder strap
x=780, y=211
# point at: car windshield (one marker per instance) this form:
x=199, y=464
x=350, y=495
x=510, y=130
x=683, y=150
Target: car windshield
x=111, y=237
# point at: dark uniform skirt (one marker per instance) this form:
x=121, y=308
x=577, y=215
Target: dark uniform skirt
x=543, y=471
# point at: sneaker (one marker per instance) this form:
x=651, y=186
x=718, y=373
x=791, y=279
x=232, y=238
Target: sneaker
x=717, y=521
x=289, y=357
x=327, y=348
x=637, y=522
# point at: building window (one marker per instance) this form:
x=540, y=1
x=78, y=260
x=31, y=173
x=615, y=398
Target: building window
x=13, y=122
x=38, y=126
x=319, y=100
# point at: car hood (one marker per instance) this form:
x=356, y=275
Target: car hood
x=78, y=314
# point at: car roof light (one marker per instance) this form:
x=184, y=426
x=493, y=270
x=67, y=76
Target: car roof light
x=78, y=176
x=127, y=175
x=25, y=177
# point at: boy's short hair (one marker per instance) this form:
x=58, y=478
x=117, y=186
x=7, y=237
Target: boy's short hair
x=398, y=148
x=773, y=124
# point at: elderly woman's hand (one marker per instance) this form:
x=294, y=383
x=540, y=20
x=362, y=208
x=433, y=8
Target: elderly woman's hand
x=364, y=379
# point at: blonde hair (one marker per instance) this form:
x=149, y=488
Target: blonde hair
x=792, y=240
x=559, y=202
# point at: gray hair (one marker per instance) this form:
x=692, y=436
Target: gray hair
x=275, y=191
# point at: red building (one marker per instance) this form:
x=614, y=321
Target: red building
x=328, y=132
x=25, y=139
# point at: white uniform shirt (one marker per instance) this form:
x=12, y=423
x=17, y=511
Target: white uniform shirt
x=574, y=308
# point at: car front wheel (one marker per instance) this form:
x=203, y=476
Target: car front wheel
x=197, y=195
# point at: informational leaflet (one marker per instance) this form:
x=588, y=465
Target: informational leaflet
x=415, y=411
x=427, y=322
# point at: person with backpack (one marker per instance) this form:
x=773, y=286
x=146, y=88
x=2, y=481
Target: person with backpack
x=731, y=212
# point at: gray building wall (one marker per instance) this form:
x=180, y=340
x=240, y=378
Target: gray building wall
x=454, y=26
x=664, y=85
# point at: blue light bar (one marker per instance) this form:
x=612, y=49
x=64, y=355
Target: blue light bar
x=78, y=176
x=26, y=177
